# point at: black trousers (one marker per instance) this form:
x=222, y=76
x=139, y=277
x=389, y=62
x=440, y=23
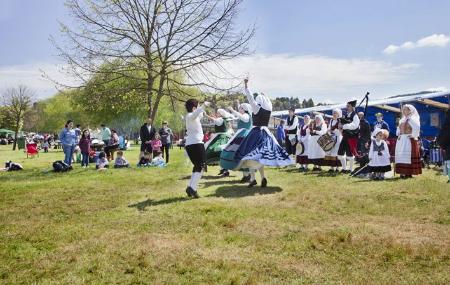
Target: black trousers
x=290, y=148
x=165, y=151
x=197, y=155
x=110, y=148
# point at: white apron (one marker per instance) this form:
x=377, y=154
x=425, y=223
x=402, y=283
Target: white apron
x=403, y=149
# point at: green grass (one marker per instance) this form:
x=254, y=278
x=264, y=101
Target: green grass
x=135, y=226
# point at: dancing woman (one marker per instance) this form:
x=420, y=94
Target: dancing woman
x=407, y=153
x=260, y=147
x=194, y=143
x=244, y=124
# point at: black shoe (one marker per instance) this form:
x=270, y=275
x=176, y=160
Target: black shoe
x=448, y=181
x=315, y=169
x=221, y=172
x=264, y=183
x=252, y=183
x=343, y=171
x=402, y=176
x=330, y=170
x=189, y=191
x=245, y=179
x=195, y=195
x=336, y=171
x=226, y=173
x=301, y=169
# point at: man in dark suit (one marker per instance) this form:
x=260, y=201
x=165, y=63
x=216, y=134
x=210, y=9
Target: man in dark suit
x=147, y=134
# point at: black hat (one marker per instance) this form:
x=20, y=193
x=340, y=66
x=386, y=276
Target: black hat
x=353, y=103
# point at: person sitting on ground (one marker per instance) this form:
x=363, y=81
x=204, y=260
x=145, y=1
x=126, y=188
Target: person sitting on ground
x=145, y=160
x=156, y=144
x=158, y=160
x=102, y=162
x=120, y=161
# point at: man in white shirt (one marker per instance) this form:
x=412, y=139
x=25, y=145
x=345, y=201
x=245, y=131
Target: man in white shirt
x=291, y=131
x=194, y=143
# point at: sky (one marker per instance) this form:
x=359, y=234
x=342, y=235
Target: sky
x=328, y=50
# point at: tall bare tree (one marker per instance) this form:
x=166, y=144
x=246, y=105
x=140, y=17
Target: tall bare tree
x=17, y=102
x=162, y=45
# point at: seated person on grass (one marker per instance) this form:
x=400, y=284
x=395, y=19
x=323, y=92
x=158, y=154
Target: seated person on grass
x=102, y=162
x=145, y=160
x=120, y=161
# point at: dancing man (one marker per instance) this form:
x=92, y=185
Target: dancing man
x=350, y=131
x=194, y=143
x=260, y=147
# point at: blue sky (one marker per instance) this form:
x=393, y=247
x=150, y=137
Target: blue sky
x=328, y=50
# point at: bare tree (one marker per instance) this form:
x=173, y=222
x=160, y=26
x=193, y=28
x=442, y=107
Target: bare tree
x=163, y=45
x=17, y=102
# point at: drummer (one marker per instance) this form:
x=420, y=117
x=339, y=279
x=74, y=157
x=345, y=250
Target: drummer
x=333, y=129
x=291, y=132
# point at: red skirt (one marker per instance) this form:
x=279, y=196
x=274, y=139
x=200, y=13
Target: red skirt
x=415, y=168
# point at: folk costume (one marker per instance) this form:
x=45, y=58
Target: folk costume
x=244, y=125
x=407, y=152
x=219, y=139
x=379, y=156
x=348, y=147
x=315, y=153
x=331, y=157
x=303, y=139
x=260, y=148
x=291, y=134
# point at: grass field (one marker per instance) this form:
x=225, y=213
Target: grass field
x=135, y=226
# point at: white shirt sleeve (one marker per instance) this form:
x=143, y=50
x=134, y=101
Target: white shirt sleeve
x=353, y=125
x=294, y=125
x=251, y=101
x=397, y=132
x=197, y=112
x=218, y=121
x=243, y=117
x=323, y=130
x=371, y=150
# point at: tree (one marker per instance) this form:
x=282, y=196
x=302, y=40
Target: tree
x=17, y=102
x=162, y=45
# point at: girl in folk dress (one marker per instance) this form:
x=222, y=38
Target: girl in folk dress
x=331, y=157
x=244, y=125
x=315, y=153
x=303, y=138
x=260, y=148
x=380, y=159
x=407, y=154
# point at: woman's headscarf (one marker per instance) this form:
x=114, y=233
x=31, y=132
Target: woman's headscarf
x=264, y=102
x=414, y=115
x=338, y=111
x=246, y=107
x=306, y=119
x=320, y=117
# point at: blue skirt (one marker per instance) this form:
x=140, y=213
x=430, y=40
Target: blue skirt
x=227, y=160
x=260, y=148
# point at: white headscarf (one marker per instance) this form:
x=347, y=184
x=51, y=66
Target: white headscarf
x=414, y=116
x=264, y=102
x=224, y=113
x=338, y=111
x=320, y=117
x=306, y=118
x=246, y=107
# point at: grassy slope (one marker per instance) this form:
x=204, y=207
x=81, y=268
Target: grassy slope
x=135, y=226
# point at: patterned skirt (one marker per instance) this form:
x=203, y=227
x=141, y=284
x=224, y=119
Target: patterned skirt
x=260, y=148
x=215, y=146
x=413, y=168
x=227, y=160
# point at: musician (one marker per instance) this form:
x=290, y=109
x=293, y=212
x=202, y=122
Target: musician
x=260, y=148
x=194, y=143
x=291, y=132
x=380, y=123
x=303, y=138
x=315, y=152
x=407, y=154
x=331, y=157
x=350, y=130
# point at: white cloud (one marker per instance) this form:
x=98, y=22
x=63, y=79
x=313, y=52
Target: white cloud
x=319, y=77
x=31, y=76
x=438, y=89
x=435, y=40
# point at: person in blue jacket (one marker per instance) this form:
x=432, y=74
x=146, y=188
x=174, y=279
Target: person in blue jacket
x=380, y=123
x=68, y=139
x=280, y=134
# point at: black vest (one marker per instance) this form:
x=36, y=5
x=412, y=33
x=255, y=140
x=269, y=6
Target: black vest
x=262, y=118
x=289, y=123
x=220, y=129
x=347, y=119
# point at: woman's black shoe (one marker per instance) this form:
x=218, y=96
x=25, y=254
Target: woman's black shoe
x=189, y=191
x=226, y=173
x=245, y=179
x=264, y=183
x=252, y=183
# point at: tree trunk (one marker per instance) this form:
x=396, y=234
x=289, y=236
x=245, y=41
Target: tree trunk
x=159, y=95
x=16, y=133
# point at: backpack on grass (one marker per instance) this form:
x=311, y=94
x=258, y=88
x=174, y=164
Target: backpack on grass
x=61, y=166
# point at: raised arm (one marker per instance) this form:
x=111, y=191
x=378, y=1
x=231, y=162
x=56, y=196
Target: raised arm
x=250, y=98
x=243, y=117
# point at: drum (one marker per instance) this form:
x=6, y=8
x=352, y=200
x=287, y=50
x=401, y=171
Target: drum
x=300, y=149
x=327, y=142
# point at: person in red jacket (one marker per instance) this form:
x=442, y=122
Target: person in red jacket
x=85, y=147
